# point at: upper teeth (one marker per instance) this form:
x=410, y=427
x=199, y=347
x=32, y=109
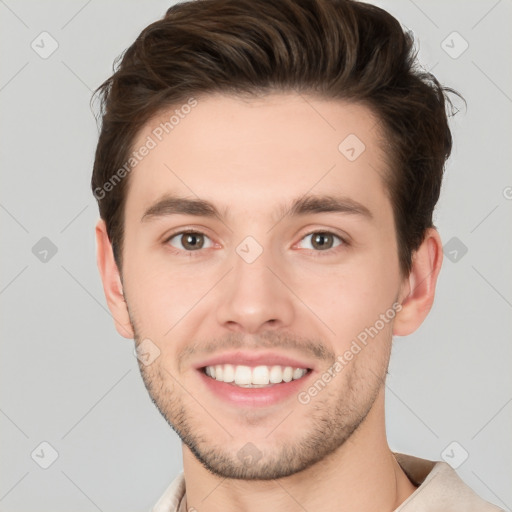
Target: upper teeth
x=260, y=375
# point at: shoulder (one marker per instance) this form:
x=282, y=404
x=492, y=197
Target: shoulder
x=440, y=489
x=172, y=497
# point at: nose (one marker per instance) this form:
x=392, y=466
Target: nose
x=254, y=296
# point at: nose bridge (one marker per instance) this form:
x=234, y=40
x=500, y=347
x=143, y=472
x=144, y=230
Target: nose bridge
x=251, y=263
x=252, y=296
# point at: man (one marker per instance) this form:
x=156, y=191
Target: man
x=266, y=175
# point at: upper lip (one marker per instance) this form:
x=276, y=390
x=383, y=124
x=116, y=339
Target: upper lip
x=254, y=359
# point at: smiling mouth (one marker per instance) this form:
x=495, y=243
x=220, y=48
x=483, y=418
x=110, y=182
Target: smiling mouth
x=261, y=376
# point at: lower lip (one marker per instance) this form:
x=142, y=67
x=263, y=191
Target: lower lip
x=254, y=397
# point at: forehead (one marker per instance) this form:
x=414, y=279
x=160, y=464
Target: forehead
x=249, y=154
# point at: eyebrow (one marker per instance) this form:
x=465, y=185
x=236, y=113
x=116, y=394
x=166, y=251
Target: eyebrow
x=171, y=204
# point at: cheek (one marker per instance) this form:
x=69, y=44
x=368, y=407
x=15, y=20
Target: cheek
x=353, y=298
x=163, y=295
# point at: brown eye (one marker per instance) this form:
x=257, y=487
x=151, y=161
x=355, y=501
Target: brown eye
x=188, y=240
x=322, y=241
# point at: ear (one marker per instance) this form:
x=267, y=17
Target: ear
x=418, y=289
x=112, y=284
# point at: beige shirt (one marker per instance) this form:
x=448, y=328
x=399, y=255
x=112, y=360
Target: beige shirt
x=440, y=490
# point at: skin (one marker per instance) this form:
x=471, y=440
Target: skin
x=296, y=298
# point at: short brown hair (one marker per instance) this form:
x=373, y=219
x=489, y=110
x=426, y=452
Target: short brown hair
x=335, y=49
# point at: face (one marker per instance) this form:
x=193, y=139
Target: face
x=251, y=271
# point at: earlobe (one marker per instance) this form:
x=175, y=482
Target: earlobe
x=418, y=289
x=112, y=284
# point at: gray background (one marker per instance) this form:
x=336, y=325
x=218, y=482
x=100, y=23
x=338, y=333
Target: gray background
x=69, y=379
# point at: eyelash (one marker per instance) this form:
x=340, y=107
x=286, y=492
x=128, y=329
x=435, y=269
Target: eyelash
x=327, y=252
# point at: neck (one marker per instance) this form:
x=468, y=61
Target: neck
x=361, y=475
